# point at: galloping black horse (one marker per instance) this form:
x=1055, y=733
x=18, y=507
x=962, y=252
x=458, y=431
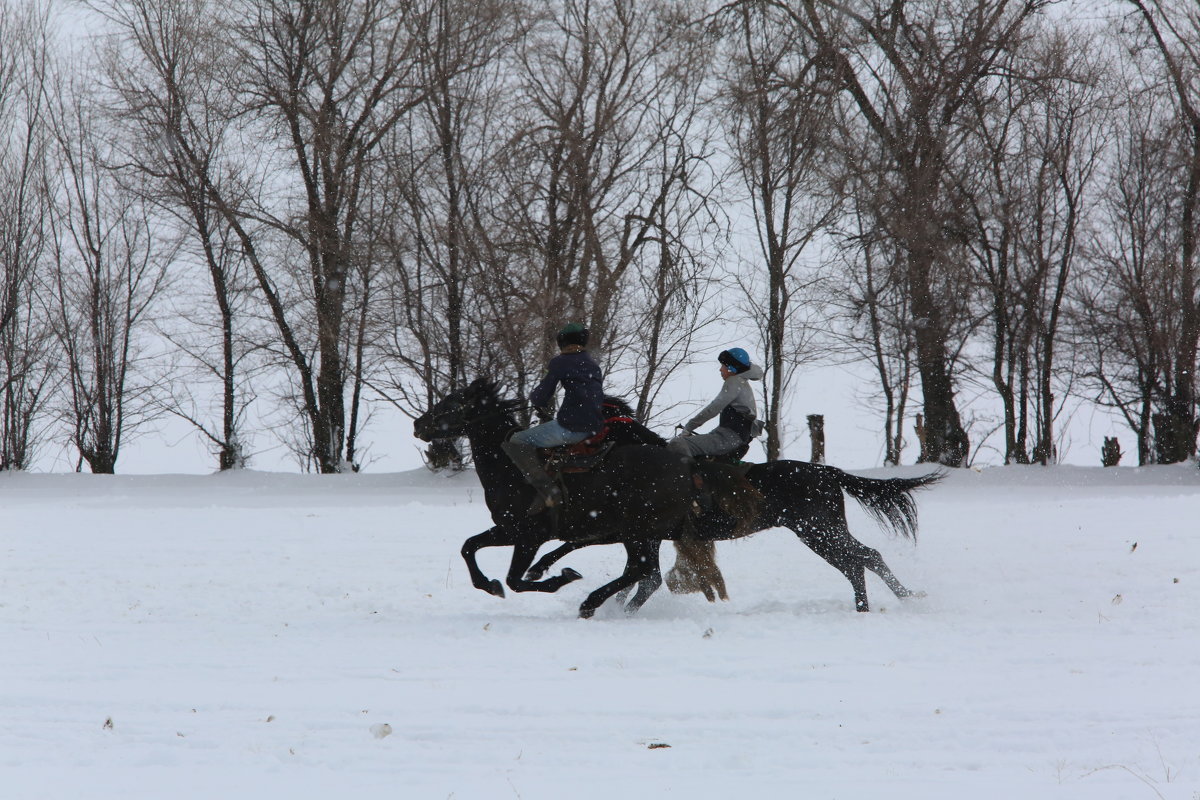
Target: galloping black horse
x=807, y=498
x=639, y=496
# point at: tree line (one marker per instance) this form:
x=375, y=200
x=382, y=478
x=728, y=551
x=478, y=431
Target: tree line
x=268, y=217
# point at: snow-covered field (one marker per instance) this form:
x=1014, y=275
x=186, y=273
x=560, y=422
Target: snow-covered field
x=284, y=636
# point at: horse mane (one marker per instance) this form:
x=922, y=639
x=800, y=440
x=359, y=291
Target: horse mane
x=618, y=404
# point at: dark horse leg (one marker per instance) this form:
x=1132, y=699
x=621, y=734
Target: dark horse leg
x=814, y=507
x=845, y=558
x=493, y=537
x=544, y=563
x=821, y=525
x=641, y=560
x=828, y=535
x=874, y=562
x=649, y=584
x=645, y=587
x=523, y=552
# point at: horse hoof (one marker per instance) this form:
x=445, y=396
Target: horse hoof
x=919, y=595
x=586, y=613
x=494, y=588
x=569, y=575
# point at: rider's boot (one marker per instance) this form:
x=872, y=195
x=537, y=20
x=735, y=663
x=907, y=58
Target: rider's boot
x=549, y=494
x=702, y=499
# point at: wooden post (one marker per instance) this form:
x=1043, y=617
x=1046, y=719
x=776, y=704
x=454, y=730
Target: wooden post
x=816, y=432
x=920, y=429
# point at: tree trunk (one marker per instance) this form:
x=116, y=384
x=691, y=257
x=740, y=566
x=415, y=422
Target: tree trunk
x=946, y=442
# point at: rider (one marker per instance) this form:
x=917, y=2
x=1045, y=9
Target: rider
x=735, y=405
x=578, y=417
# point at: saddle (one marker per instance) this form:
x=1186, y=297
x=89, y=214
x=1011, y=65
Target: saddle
x=580, y=457
x=559, y=462
x=733, y=459
x=703, y=503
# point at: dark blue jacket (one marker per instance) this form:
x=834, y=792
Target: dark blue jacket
x=583, y=391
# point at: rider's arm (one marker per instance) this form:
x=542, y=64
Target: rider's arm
x=543, y=393
x=728, y=393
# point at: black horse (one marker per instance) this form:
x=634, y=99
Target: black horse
x=807, y=498
x=638, y=496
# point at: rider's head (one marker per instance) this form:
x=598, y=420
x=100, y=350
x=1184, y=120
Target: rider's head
x=735, y=359
x=572, y=333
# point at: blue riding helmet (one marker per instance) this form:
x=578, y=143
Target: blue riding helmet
x=737, y=359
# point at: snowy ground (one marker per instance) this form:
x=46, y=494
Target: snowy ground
x=251, y=635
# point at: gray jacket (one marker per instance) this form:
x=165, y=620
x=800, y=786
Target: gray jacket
x=734, y=403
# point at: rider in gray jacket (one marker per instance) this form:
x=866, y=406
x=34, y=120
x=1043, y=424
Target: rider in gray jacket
x=735, y=405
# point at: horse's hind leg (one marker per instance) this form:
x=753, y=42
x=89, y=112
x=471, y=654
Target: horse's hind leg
x=876, y=564
x=857, y=553
x=852, y=558
x=647, y=585
x=841, y=550
x=639, y=563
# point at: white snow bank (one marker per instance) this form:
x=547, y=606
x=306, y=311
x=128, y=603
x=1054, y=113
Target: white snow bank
x=249, y=634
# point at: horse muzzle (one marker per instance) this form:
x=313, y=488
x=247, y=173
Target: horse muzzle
x=423, y=429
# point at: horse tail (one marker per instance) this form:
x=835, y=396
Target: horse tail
x=733, y=494
x=888, y=500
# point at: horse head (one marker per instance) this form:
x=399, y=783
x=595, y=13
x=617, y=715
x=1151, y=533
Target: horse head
x=457, y=412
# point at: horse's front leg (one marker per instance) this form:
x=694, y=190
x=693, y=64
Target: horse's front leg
x=493, y=537
x=523, y=554
x=538, y=570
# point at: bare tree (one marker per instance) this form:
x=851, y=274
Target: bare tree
x=1039, y=140
x=781, y=114
x=598, y=173
x=165, y=71
x=665, y=300
x=27, y=363
x=1174, y=28
x=872, y=307
x=909, y=69
x=431, y=212
x=108, y=270
x=1124, y=324
x=327, y=80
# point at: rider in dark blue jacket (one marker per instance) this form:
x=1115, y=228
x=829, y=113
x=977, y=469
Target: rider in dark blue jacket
x=583, y=392
x=578, y=417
